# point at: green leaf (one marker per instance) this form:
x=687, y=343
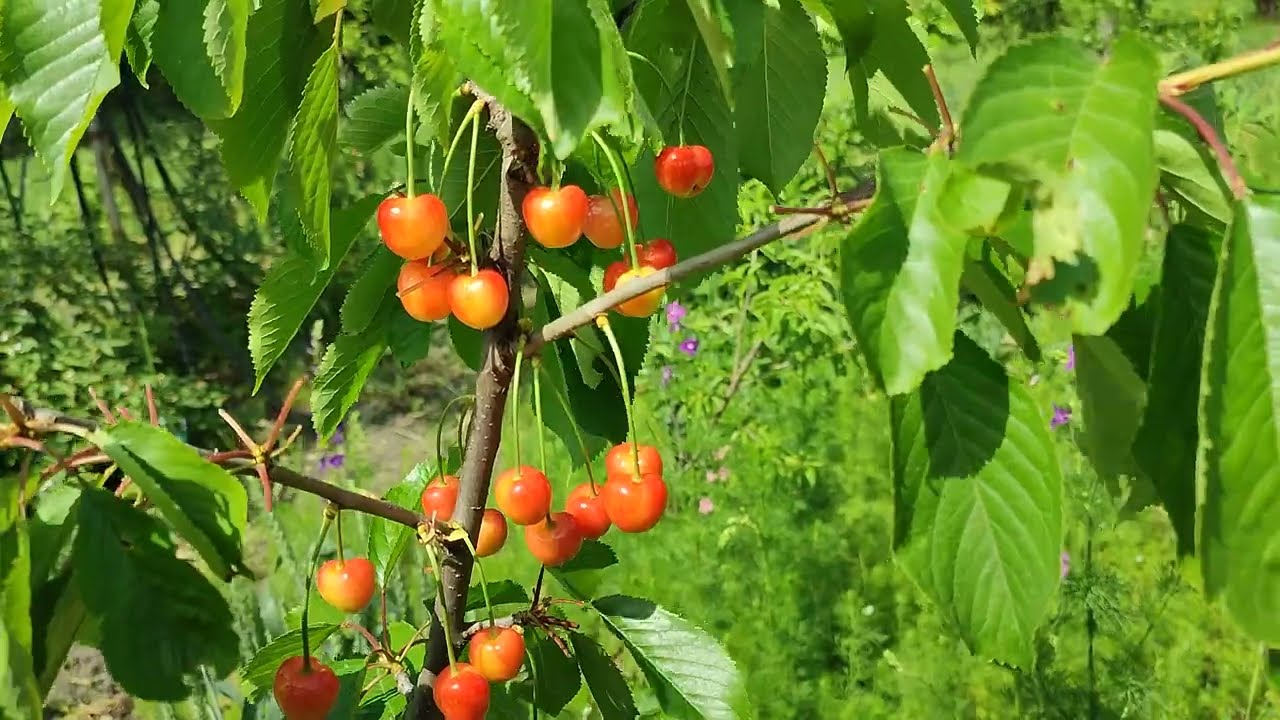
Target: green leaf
x=410, y=339
x=581, y=575
x=878, y=38
x=137, y=42
x=978, y=502
x=19, y=694
x=50, y=528
x=394, y=18
x=1239, y=453
x=1091, y=159
x=200, y=46
x=900, y=270
x=351, y=675
x=709, y=17
x=1165, y=447
x=692, y=108
x=322, y=9
x=556, y=676
x=779, y=95
x=55, y=633
x=1113, y=397
x=374, y=119
x=388, y=540
x=278, y=38
x=1259, y=155
x=604, y=678
x=501, y=592
x=257, y=675
x=344, y=370
x=292, y=287
x=57, y=62
x=1188, y=167
x=452, y=188
x=982, y=278
x=314, y=137
x=688, y=670
x=131, y=580
x=962, y=11
x=206, y=505
x=368, y=293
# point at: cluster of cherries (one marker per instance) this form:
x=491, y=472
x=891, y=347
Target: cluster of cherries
x=430, y=288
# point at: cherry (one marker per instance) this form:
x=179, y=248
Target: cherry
x=348, y=586
x=684, y=170
x=658, y=254
x=554, y=540
x=643, y=305
x=635, y=504
x=621, y=461
x=413, y=228
x=613, y=272
x=555, y=217
x=523, y=494
x=497, y=653
x=587, y=509
x=305, y=692
x=603, y=226
x=461, y=693
x=493, y=533
x=440, y=496
x=480, y=300
x=424, y=290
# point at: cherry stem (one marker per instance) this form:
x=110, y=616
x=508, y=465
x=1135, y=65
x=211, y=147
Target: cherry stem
x=625, y=210
x=342, y=560
x=471, y=184
x=564, y=403
x=283, y=415
x=329, y=514
x=440, y=433
x=152, y=413
x=515, y=404
x=537, y=416
x=408, y=143
x=484, y=581
x=444, y=621
x=537, y=587
x=457, y=137
x=1210, y=136
x=603, y=322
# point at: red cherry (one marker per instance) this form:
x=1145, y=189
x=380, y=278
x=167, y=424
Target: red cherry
x=305, y=692
x=493, y=533
x=612, y=273
x=555, y=217
x=642, y=305
x=658, y=254
x=424, y=290
x=684, y=170
x=461, y=693
x=348, y=586
x=440, y=496
x=415, y=227
x=480, y=300
x=523, y=494
x=497, y=653
x=587, y=509
x=621, y=461
x=554, y=540
x=604, y=221
x=635, y=504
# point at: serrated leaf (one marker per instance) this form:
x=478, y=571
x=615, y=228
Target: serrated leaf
x=1239, y=453
x=878, y=38
x=501, y=592
x=131, y=579
x=580, y=576
x=394, y=18
x=57, y=62
x=388, y=540
x=689, y=672
x=313, y=140
x=778, y=95
x=1112, y=396
x=1091, y=157
x=1165, y=446
x=604, y=678
x=344, y=370
x=410, y=339
x=900, y=272
x=203, y=502
x=1259, y=156
x=292, y=287
x=374, y=119
x=200, y=47
x=257, y=675
x=556, y=677
x=978, y=502
x=982, y=278
x=962, y=11
x=19, y=693
x=137, y=43
x=367, y=294
x=1188, y=167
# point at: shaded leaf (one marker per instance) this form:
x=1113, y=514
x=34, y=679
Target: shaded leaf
x=371, y=289
x=556, y=676
x=374, y=119
x=982, y=278
x=388, y=540
x=604, y=678
x=200, y=47
x=878, y=38
x=410, y=339
x=580, y=576
x=257, y=675
x=137, y=42
x=966, y=18
x=344, y=370
x=314, y=136
x=1113, y=396
x=19, y=694
x=709, y=16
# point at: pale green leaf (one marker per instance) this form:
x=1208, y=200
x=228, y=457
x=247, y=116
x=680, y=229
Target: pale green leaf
x=978, y=502
x=312, y=148
x=374, y=119
x=200, y=46
x=322, y=9
x=137, y=44
x=1188, y=167
x=1239, y=453
x=19, y=693
x=388, y=540
x=779, y=93
x=900, y=272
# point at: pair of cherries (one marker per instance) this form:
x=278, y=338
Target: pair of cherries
x=439, y=498
x=495, y=654
x=557, y=217
x=415, y=228
x=653, y=257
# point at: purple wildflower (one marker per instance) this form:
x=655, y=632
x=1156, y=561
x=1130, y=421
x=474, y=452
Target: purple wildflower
x=339, y=437
x=705, y=506
x=332, y=462
x=1061, y=416
x=1064, y=565
x=1071, y=358
x=689, y=346
x=668, y=372
x=675, y=313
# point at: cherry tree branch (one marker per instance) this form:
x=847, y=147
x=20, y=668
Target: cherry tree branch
x=1185, y=82
x=1210, y=136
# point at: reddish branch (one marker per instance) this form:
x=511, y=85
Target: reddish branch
x=1210, y=136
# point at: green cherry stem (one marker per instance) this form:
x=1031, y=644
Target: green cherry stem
x=484, y=581
x=537, y=416
x=329, y=514
x=444, y=621
x=515, y=402
x=603, y=322
x=440, y=432
x=471, y=185
x=337, y=522
x=623, y=189
x=408, y=143
x=564, y=403
x=457, y=138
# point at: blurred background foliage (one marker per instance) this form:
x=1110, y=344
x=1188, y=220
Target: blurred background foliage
x=779, y=534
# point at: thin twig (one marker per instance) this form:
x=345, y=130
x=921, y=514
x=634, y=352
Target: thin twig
x=933, y=131
x=284, y=413
x=1210, y=136
x=735, y=380
x=152, y=412
x=830, y=172
x=948, y=131
x=1183, y=82
x=102, y=407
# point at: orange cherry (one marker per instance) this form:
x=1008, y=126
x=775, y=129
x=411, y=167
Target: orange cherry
x=348, y=586
x=643, y=305
x=555, y=217
x=620, y=460
x=587, y=509
x=554, y=540
x=684, y=170
x=635, y=504
x=497, y=653
x=493, y=533
x=424, y=290
x=523, y=494
x=415, y=227
x=305, y=692
x=603, y=226
x=461, y=693
x=440, y=496
x=480, y=300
